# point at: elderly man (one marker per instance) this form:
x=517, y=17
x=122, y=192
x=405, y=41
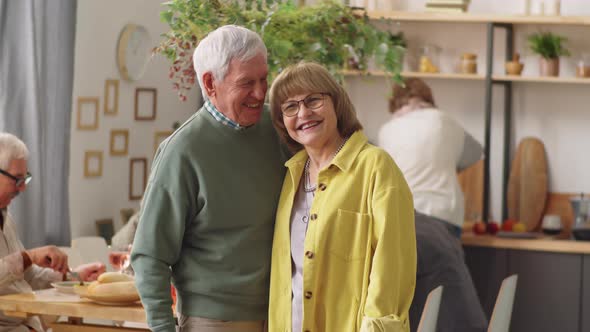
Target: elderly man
x=22, y=270
x=209, y=208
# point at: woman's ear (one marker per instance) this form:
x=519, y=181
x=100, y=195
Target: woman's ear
x=208, y=84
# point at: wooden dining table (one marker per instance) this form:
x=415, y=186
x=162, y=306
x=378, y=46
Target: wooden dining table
x=25, y=305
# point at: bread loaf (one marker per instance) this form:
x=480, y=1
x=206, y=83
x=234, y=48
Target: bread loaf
x=121, y=289
x=109, y=277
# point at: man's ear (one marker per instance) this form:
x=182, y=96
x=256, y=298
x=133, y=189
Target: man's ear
x=208, y=83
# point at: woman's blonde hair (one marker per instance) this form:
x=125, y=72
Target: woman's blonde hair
x=309, y=77
x=413, y=88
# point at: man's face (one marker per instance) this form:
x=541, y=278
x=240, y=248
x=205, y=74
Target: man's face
x=8, y=188
x=240, y=96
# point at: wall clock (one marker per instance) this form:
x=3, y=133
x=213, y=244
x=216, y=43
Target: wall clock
x=133, y=51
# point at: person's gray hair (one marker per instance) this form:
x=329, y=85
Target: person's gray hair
x=11, y=148
x=220, y=47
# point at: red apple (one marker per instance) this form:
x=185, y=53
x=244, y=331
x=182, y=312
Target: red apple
x=479, y=228
x=493, y=227
x=508, y=224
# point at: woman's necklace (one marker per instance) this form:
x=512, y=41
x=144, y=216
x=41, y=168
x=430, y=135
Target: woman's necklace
x=307, y=188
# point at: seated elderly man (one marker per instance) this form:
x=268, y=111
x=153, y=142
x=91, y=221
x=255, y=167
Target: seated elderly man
x=22, y=270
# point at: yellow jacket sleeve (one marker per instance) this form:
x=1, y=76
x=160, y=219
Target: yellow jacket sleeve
x=392, y=277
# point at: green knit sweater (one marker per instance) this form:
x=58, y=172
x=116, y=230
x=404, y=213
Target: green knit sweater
x=207, y=220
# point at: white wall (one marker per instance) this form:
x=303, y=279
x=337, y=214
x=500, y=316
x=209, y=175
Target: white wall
x=558, y=114
x=98, y=26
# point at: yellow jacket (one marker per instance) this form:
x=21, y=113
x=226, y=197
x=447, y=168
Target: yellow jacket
x=359, y=271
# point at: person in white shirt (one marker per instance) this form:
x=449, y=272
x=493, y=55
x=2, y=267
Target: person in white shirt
x=22, y=270
x=429, y=147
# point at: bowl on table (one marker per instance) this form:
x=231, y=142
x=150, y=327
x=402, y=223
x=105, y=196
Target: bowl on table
x=66, y=287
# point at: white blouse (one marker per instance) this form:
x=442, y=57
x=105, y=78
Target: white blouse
x=13, y=279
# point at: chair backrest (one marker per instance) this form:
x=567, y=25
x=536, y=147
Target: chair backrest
x=430, y=312
x=500, y=321
x=92, y=249
x=74, y=257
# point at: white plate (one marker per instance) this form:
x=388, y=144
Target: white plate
x=112, y=303
x=66, y=287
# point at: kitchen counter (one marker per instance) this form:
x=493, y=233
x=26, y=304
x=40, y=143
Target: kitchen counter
x=544, y=243
x=541, y=264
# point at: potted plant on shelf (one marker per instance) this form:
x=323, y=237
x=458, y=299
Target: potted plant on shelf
x=328, y=33
x=550, y=47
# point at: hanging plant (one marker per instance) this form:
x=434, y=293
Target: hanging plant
x=328, y=33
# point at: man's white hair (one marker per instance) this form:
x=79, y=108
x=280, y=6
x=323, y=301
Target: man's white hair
x=11, y=148
x=220, y=47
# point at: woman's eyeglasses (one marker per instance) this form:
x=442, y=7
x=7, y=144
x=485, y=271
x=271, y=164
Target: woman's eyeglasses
x=312, y=102
x=18, y=181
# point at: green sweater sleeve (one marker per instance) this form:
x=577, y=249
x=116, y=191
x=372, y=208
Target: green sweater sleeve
x=151, y=276
x=157, y=246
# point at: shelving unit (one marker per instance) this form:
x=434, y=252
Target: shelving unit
x=451, y=76
x=475, y=18
x=566, y=80
x=458, y=76
x=492, y=22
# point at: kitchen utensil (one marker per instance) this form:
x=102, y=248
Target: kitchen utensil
x=75, y=276
x=527, y=184
x=581, y=208
x=551, y=224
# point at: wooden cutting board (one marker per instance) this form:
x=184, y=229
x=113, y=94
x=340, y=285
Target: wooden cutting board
x=471, y=181
x=527, y=184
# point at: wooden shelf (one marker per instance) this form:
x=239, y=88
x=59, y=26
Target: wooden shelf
x=451, y=76
x=476, y=77
x=513, y=78
x=402, y=16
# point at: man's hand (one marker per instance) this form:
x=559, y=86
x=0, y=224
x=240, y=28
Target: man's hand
x=90, y=271
x=49, y=256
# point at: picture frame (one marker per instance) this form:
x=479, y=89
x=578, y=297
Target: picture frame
x=137, y=178
x=105, y=228
x=160, y=136
x=111, y=97
x=146, y=101
x=119, y=142
x=92, y=164
x=87, y=112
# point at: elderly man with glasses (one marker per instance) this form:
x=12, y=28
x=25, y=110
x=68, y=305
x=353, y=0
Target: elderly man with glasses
x=22, y=270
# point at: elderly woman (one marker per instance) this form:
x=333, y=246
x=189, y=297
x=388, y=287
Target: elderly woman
x=344, y=251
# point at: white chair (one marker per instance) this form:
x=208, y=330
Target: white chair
x=92, y=249
x=500, y=321
x=74, y=257
x=430, y=312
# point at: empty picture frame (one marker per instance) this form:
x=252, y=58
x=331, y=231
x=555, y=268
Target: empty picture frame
x=137, y=177
x=105, y=228
x=87, y=113
x=146, y=100
x=111, y=97
x=92, y=164
x=159, y=136
x=119, y=142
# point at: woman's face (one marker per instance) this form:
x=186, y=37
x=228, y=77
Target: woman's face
x=312, y=126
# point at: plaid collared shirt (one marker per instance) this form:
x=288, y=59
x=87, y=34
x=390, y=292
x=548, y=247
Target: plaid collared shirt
x=220, y=117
